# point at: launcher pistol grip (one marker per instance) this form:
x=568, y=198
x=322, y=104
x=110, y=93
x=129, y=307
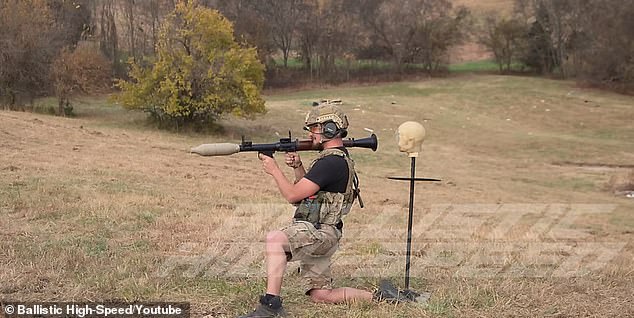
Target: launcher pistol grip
x=268, y=153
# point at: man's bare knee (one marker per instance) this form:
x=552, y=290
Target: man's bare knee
x=277, y=240
x=276, y=237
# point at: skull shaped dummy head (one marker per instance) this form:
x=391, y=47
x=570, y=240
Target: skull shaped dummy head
x=410, y=137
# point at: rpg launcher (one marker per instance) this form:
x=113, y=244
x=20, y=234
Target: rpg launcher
x=285, y=145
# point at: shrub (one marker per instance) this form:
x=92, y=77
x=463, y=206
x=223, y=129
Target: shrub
x=199, y=74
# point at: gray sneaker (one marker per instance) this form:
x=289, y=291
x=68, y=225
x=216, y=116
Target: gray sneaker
x=267, y=309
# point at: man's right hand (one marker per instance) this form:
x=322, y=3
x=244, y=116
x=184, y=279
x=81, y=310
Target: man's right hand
x=293, y=160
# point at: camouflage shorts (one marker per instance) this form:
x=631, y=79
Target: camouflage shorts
x=313, y=248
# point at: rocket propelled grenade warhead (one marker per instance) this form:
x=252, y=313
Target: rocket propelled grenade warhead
x=284, y=145
x=220, y=149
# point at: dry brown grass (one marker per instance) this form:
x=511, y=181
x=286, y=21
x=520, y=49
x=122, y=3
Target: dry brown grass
x=101, y=207
x=481, y=6
x=622, y=183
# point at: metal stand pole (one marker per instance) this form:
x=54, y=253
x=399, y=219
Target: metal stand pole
x=409, y=222
x=407, y=293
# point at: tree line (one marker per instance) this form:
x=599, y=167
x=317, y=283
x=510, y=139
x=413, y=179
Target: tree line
x=591, y=40
x=65, y=47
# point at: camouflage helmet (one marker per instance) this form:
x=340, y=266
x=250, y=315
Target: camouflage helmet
x=327, y=112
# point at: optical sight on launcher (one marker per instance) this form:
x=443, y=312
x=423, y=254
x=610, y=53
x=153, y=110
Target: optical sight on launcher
x=285, y=145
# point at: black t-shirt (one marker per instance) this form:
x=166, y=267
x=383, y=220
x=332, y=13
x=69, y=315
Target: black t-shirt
x=330, y=173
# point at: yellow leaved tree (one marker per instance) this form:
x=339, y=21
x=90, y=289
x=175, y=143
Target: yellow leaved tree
x=199, y=73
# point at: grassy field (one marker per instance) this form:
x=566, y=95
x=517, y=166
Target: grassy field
x=531, y=217
x=475, y=66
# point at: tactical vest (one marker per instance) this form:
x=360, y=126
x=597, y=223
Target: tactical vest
x=329, y=207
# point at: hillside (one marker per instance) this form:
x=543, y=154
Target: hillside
x=530, y=218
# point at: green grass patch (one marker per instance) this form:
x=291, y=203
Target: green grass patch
x=488, y=66
x=295, y=63
x=563, y=183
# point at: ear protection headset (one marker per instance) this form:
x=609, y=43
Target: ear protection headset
x=331, y=130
